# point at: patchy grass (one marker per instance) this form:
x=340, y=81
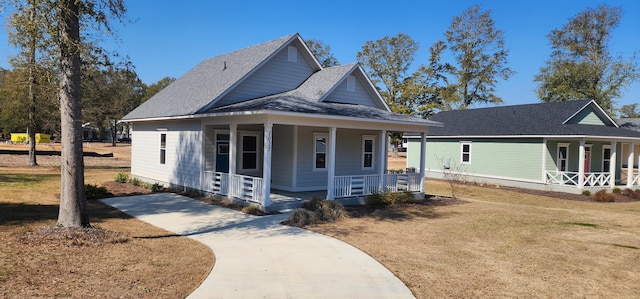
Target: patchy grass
x=502, y=243
x=120, y=257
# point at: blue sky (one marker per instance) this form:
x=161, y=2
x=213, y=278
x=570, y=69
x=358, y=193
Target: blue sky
x=167, y=38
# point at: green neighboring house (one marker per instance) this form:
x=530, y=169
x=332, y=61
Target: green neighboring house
x=565, y=146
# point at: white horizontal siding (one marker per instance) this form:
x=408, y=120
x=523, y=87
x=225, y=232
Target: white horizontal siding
x=359, y=97
x=183, y=152
x=282, y=155
x=348, y=155
x=278, y=75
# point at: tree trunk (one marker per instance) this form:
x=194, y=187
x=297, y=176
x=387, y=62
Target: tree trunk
x=73, y=205
x=32, y=83
x=114, y=132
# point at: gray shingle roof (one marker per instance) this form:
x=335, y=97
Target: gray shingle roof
x=629, y=123
x=295, y=102
x=320, y=83
x=207, y=81
x=545, y=119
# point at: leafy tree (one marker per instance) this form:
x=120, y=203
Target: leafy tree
x=322, y=52
x=28, y=33
x=388, y=61
x=630, y=111
x=581, y=65
x=64, y=25
x=109, y=94
x=478, y=49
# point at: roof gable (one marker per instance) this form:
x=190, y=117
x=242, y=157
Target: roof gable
x=213, y=78
x=354, y=87
x=591, y=114
x=285, y=70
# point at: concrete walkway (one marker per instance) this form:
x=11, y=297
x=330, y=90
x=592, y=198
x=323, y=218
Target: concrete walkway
x=257, y=257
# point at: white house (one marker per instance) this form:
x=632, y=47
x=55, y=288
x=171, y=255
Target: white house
x=249, y=123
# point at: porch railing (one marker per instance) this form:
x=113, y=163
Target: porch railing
x=591, y=179
x=237, y=186
x=357, y=185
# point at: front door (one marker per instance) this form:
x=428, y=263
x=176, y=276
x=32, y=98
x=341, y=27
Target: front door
x=222, y=153
x=587, y=159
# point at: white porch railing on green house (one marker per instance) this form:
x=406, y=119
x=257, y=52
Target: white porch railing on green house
x=236, y=186
x=591, y=179
x=358, y=185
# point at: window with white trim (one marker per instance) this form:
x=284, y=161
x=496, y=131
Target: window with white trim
x=465, y=152
x=351, y=83
x=606, y=158
x=368, y=145
x=320, y=151
x=249, y=152
x=163, y=148
x=563, y=157
x=292, y=54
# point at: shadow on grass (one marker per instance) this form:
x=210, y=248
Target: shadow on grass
x=24, y=214
x=425, y=209
x=26, y=178
x=159, y=237
x=20, y=214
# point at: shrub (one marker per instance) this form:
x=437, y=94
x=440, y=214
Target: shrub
x=121, y=177
x=157, y=187
x=301, y=217
x=95, y=191
x=253, y=210
x=375, y=199
x=389, y=198
x=603, y=196
x=586, y=192
x=616, y=190
x=313, y=204
x=135, y=181
x=330, y=211
x=630, y=193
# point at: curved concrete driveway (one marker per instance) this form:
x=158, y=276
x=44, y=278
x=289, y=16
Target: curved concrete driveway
x=257, y=257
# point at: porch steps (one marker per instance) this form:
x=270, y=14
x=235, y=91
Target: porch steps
x=357, y=185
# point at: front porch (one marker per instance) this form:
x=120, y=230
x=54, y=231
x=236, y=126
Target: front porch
x=597, y=165
x=252, y=189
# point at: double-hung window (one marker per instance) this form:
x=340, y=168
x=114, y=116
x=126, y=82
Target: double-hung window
x=563, y=158
x=163, y=148
x=249, y=152
x=368, y=146
x=320, y=151
x=465, y=152
x=606, y=158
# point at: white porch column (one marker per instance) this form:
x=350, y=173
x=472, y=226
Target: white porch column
x=331, y=167
x=383, y=159
x=612, y=164
x=581, y=165
x=266, y=164
x=423, y=160
x=630, y=165
x=233, y=145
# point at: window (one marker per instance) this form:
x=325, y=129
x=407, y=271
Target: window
x=249, y=152
x=351, y=83
x=292, y=54
x=563, y=160
x=320, y=142
x=465, y=152
x=163, y=148
x=606, y=158
x=367, y=152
